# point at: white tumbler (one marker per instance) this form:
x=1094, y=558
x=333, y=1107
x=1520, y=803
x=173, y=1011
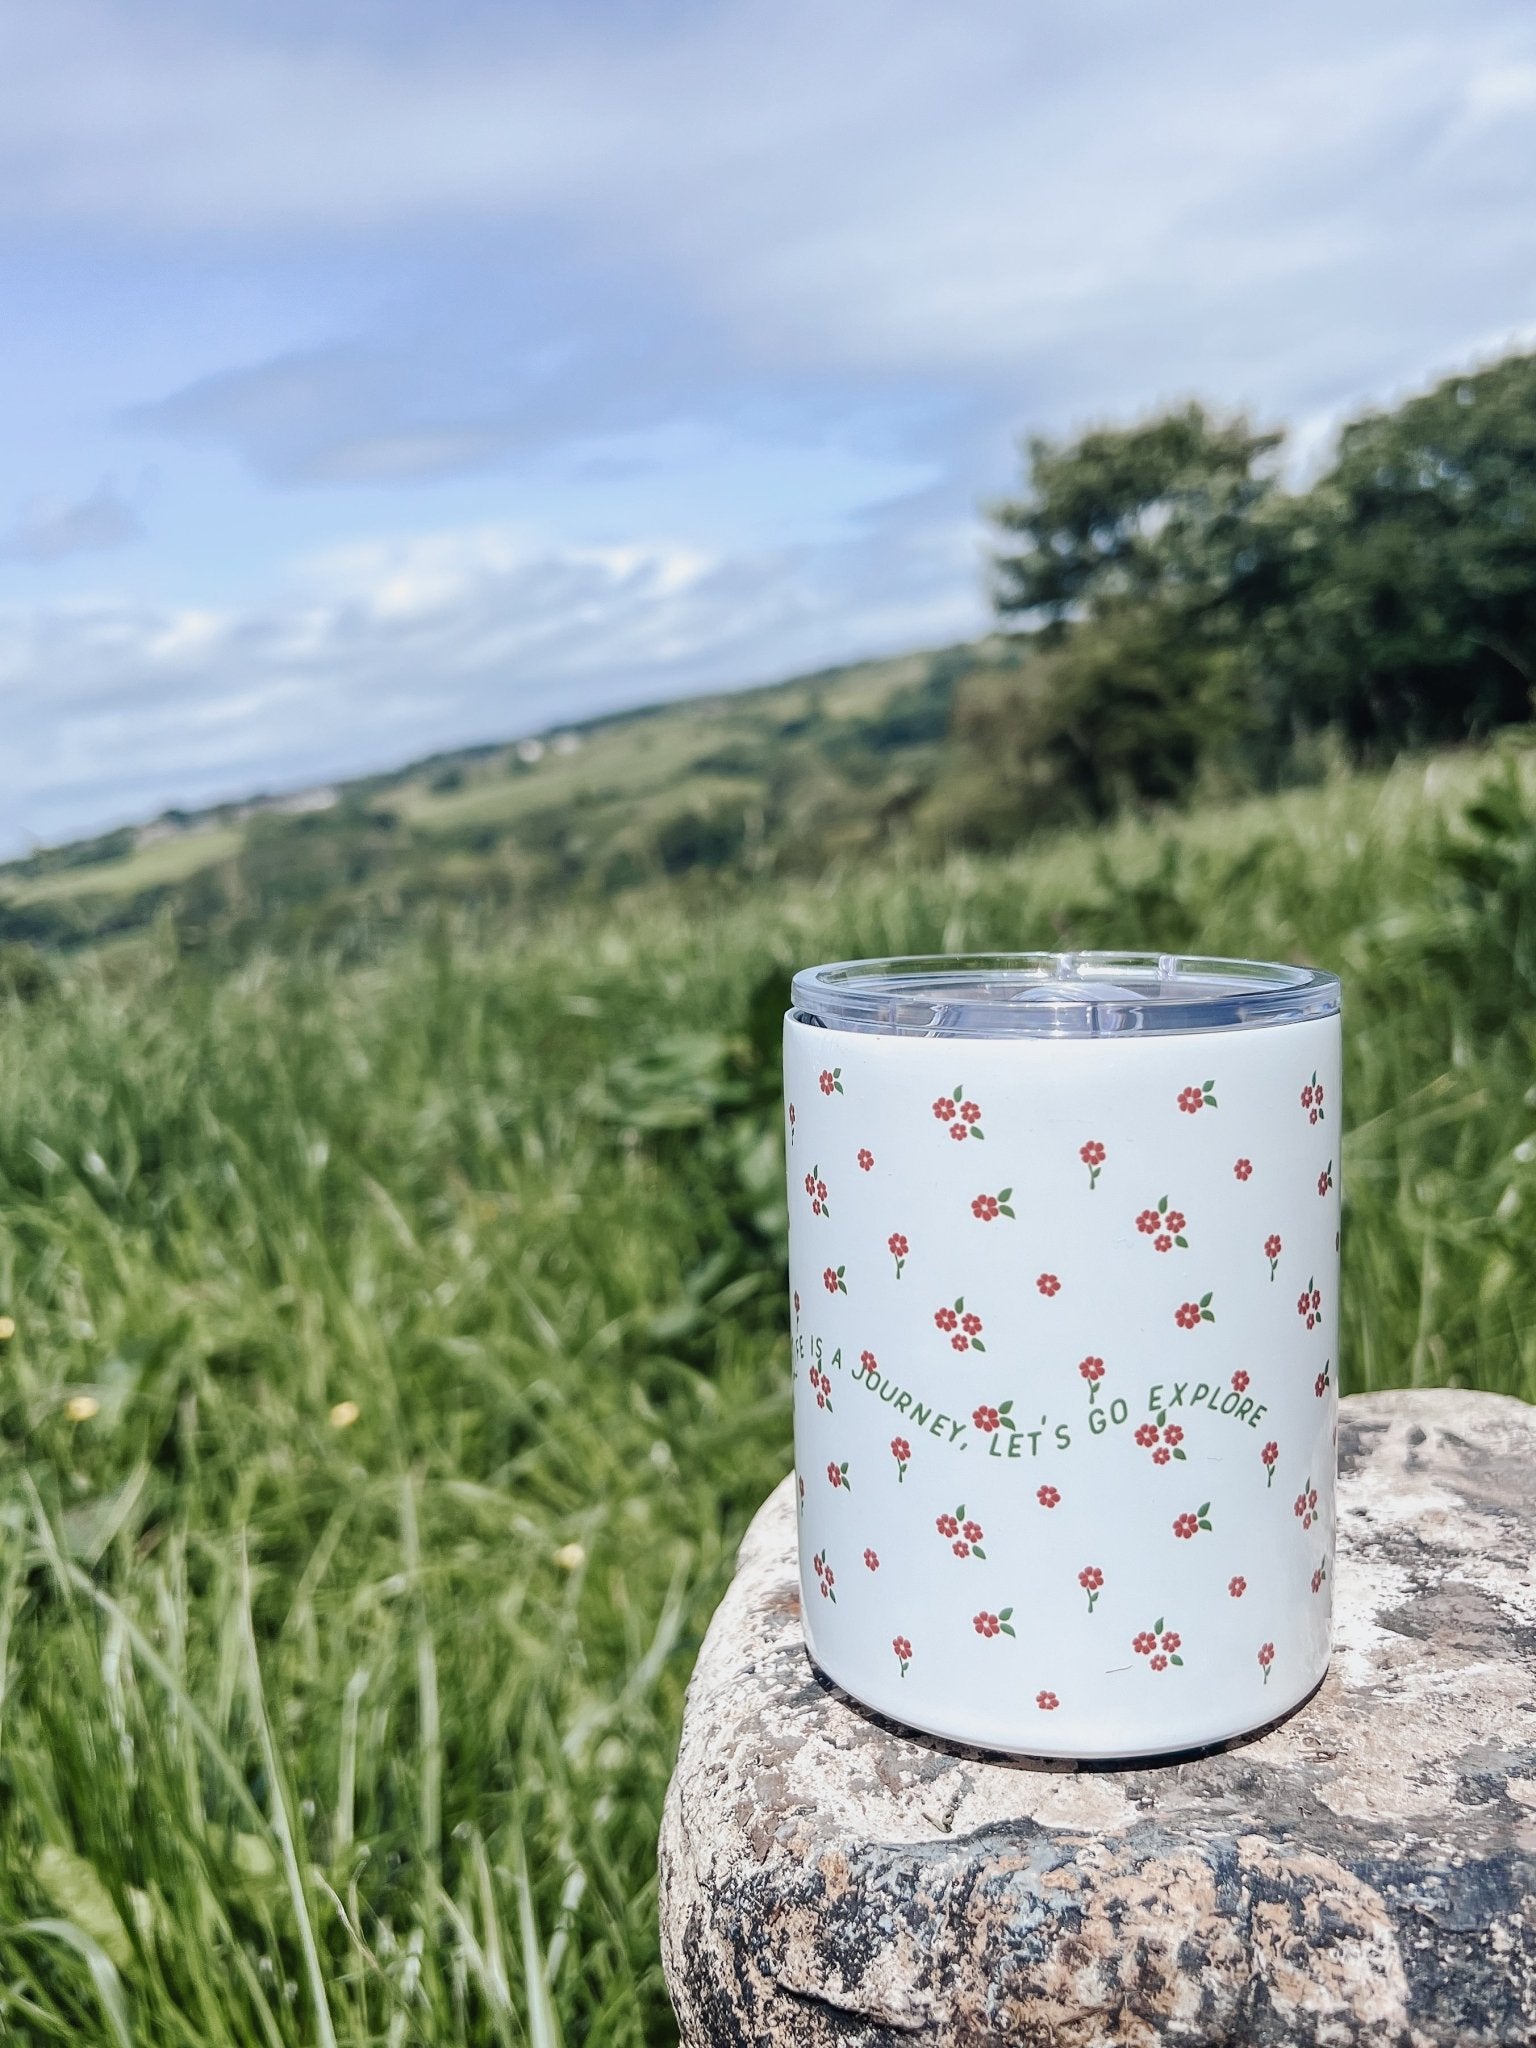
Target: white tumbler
x=1064, y=1237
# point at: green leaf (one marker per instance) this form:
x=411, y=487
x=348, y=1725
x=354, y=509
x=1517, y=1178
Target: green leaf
x=959, y=1093
x=1157, y=1626
x=977, y=1131
x=1162, y=1205
x=977, y=1551
x=1006, y=1626
x=1205, y=1086
x=1003, y=1613
x=1005, y=1194
x=75, y=1888
x=1003, y=1209
x=1181, y=1242
x=959, y=1301
x=1179, y=1457
x=1204, y=1508
x=1205, y=1299
x=1175, y=1658
x=977, y=1345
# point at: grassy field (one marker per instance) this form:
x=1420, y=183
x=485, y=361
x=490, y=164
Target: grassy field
x=398, y=1355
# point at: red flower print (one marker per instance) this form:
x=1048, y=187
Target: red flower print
x=1048, y=1496
x=959, y=1343
x=1146, y=1434
x=1048, y=1285
x=1148, y=1221
x=1162, y=1243
x=868, y=1361
x=961, y=1114
x=1193, y=1099
x=871, y=1560
x=944, y=1109
x=985, y=1419
x=821, y=1189
x=1306, y=1096
x=986, y=1624
x=946, y=1319
x=1237, y=1587
x=826, y=1576
x=1317, y=1578
x=959, y=1131
x=797, y=1301
x=1270, y=1454
x=1325, y=1179
x=1170, y=1640
x=1189, y=1315
x=820, y=1563
x=832, y=1280
x=831, y=1080
x=1091, y=1579
x=810, y=1183
x=1173, y=1434
x=964, y=1536
x=1161, y=1455
x=1312, y=1099
x=1144, y=1644
x=1092, y=1155
x=1047, y=1702
x=1308, y=1303
x=987, y=1208
x=1092, y=1370
x=1240, y=1381
x=1266, y=1658
x=1186, y=1525
x=1159, y=1662
x=896, y=1245
x=971, y=1324
x=1321, y=1384
x=1272, y=1249
x=1243, y=1168
x=1306, y=1504
x=866, y=1158
x=901, y=1451
x=791, y=1119
x=1175, y=1221
x=971, y=1112
x=837, y=1476
x=903, y=1650
x=1164, y=1226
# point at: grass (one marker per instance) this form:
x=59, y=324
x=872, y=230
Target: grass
x=398, y=1356
x=147, y=867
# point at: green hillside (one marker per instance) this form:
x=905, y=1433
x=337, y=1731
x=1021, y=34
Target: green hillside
x=394, y=1352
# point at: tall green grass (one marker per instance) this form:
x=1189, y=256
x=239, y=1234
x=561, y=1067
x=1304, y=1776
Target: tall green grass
x=398, y=1357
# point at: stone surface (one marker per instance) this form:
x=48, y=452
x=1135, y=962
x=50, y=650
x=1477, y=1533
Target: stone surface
x=1365, y=1871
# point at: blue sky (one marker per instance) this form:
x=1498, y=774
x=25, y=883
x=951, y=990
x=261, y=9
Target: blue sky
x=380, y=377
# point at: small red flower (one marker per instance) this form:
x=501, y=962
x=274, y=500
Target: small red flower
x=986, y=1419
x=986, y=1624
x=831, y=1578
x=1175, y=1221
x=1048, y=1284
x=1090, y=1578
x=1161, y=1455
x=815, y=1208
x=1047, y=1702
x=1187, y=1315
x=1266, y=1657
x=971, y=1324
x=1320, y=1385
x=958, y=1131
x=1271, y=1247
x=1317, y=1578
x=1159, y=1662
x=902, y=1648
x=821, y=1189
x=1092, y=1154
x=1190, y=1099
x=1146, y=1434
x=1300, y=1507
x=1185, y=1526
x=986, y=1208
x=972, y=1532
x=1145, y=1643
x=820, y=1567
x=1149, y=1221
x=810, y=1183
x=1173, y=1434
x=961, y=1549
x=829, y=1279
x=971, y=1111
x=1306, y=1096
x=866, y=1158
x=1317, y=1297
x=1317, y=1093
x=947, y=1525
x=901, y=1450
x=1171, y=1640
x=1237, y=1587
x=944, y=1109
x=1243, y=1168
x=1162, y=1243
x=896, y=1244
x=868, y=1360
x=1092, y=1369
x=872, y=1560
x=1325, y=1179
x=959, y=1343
x=1048, y=1496
x=834, y=1476
x=1270, y=1453
x=1240, y=1381
x=827, y=1081
x=946, y=1319
x=797, y=1301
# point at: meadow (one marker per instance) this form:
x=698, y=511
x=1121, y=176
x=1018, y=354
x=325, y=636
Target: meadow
x=396, y=1353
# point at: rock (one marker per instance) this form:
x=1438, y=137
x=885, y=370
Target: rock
x=1364, y=1871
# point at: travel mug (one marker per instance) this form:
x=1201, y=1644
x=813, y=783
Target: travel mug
x=1064, y=1235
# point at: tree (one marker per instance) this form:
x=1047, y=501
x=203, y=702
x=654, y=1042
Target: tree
x=1413, y=568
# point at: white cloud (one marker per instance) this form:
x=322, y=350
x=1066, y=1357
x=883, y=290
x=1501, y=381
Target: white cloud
x=49, y=529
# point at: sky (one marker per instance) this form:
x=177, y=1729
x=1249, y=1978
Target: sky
x=384, y=377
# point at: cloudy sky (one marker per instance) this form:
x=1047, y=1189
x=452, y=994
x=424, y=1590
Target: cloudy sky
x=388, y=375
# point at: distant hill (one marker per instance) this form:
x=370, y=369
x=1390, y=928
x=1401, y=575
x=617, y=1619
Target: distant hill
x=780, y=777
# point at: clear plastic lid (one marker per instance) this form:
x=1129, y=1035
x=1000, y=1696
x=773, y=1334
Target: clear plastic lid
x=1058, y=995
